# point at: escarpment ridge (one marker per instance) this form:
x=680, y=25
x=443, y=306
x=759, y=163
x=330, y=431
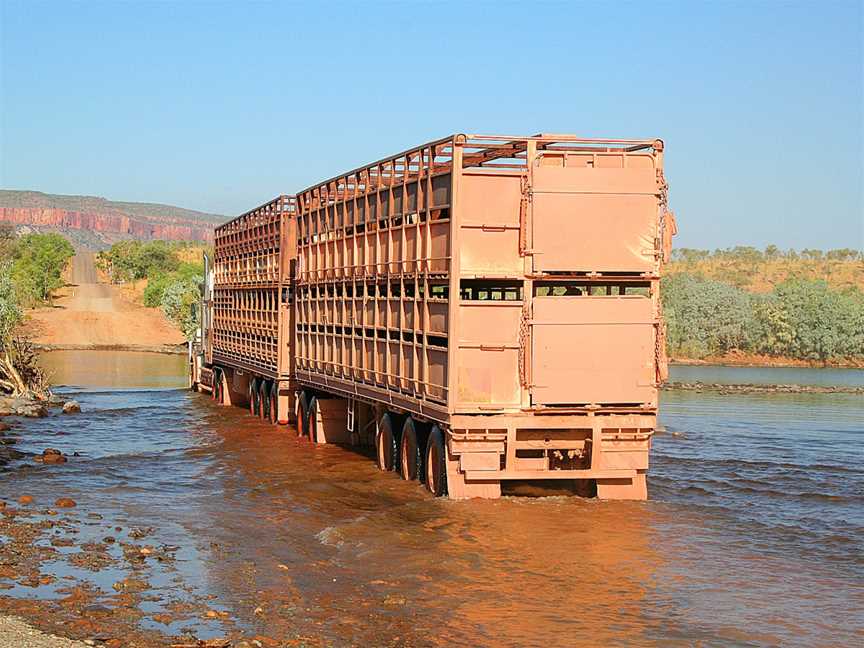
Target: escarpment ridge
x=108, y=220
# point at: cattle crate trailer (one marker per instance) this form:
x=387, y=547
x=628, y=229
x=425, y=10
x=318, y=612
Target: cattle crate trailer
x=246, y=312
x=481, y=309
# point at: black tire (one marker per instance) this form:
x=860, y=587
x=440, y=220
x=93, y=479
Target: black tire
x=274, y=404
x=264, y=399
x=386, y=444
x=410, y=454
x=436, y=463
x=312, y=420
x=302, y=413
x=253, y=397
x=220, y=385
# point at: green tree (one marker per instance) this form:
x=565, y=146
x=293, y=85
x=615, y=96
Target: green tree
x=705, y=317
x=10, y=311
x=38, y=266
x=809, y=320
x=133, y=260
x=8, y=244
x=180, y=304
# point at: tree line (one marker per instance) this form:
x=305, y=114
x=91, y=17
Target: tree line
x=173, y=284
x=31, y=269
x=799, y=318
x=770, y=253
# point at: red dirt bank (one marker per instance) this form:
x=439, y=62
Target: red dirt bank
x=742, y=359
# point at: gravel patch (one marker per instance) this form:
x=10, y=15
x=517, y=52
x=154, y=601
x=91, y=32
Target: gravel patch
x=14, y=633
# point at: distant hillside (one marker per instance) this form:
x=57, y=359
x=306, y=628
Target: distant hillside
x=97, y=222
x=759, y=271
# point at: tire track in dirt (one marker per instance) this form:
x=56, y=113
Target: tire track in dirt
x=91, y=314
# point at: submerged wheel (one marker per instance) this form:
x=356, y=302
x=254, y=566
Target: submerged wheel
x=436, y=463
x=217, y=383
x=385, y=444
x=302, y=412
x=411, y=461
x=264, y=399
x=274, y=404
x=253, y=397
x=219, y=388
x=312, y=420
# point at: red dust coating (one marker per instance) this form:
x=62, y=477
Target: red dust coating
x=481, y=309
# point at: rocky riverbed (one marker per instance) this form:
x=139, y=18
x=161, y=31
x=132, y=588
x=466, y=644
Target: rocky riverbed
x=69, y=572
x=18, y=408
x=725, y=388
x=83, y=579
x=176, y=522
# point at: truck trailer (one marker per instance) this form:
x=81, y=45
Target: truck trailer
x=480, y=309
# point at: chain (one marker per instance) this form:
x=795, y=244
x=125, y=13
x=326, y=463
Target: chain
x=523, y=348
x=523, y=215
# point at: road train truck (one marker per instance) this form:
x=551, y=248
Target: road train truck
x=479, y=309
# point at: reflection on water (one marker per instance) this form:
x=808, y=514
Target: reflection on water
x=753, y=534
x=115, y=368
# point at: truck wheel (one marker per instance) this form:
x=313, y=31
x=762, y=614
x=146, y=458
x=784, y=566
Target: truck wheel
x=274, y=404
x=253, y=397
x=409, y=452
x=264, y=399
x=302, y=412
x=312, y=420
x=217, y=386
x=220, y=386
x=385, y=444
x=436, y=463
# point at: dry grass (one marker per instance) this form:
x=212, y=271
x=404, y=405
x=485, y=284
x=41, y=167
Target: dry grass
x=762, y=276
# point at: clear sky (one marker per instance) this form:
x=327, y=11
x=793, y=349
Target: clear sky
x=220, y=106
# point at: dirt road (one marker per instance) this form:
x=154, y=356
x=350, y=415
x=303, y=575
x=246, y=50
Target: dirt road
x=90, y=314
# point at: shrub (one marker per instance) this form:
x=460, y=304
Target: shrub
x=10, y=311
x=180, y=303
x=38, y=266
x=133, y=260
x=809, y=320
x=705, y=317
x=802, y=319
x=155, y=290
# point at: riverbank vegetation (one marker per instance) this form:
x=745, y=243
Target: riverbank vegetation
x=806, y=305
x=36, y=263
x=31, y=269
x=173, y=272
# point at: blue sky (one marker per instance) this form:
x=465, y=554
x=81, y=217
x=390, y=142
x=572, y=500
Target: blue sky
x=220, y=106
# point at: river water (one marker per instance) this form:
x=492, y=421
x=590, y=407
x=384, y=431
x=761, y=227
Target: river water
x=753, y=535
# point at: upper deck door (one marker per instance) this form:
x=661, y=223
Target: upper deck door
x=594, y=213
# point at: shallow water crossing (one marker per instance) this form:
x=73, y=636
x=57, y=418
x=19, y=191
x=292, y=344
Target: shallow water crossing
x=224, y=526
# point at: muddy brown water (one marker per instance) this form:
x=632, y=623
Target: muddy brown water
x=754, y=534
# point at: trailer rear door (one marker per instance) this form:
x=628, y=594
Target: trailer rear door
x=592, y=350
x=588, y=218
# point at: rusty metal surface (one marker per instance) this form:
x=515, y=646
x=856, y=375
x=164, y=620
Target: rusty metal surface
x=251, y=265
x=475, y=275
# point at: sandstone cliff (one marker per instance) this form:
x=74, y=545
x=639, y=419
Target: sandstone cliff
x=105, y=220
